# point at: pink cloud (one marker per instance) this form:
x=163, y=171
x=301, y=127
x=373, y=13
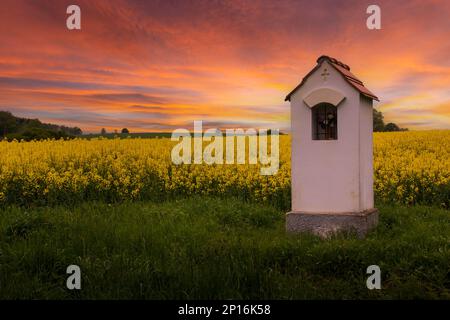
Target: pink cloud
x=232, y=60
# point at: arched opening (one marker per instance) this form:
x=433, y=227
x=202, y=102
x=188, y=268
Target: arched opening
x=324, y=122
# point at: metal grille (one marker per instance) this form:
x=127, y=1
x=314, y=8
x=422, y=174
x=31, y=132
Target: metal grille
x=324, y=122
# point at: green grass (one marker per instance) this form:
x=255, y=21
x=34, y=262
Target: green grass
x=202, y=248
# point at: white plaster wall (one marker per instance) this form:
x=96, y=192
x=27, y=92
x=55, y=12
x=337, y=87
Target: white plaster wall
x=326, y=174
x=366, y=153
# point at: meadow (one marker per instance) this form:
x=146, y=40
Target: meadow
x=142, y=228
x=211, y=248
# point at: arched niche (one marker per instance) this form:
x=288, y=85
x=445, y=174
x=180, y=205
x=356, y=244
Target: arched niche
x=324, y=95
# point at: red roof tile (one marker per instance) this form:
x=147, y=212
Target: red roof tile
x=344, y=70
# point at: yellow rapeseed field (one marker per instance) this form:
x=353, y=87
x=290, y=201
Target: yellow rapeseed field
x=409, y=168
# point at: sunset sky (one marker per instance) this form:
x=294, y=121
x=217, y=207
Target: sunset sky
x=160, y=65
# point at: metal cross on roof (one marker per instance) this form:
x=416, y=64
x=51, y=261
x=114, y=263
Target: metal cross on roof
x=325, y=74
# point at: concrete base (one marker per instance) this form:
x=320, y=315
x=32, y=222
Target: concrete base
x=325, y=224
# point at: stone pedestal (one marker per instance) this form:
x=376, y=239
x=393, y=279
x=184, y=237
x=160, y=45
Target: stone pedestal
x=326, y=224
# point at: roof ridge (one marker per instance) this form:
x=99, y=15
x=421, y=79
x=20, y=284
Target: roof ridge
x=333, y=60
x=354, y=80
x=344, y=70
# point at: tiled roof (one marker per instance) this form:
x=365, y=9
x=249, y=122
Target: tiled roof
x=344, y=70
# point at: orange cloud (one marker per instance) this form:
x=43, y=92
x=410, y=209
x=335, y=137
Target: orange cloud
x=155, y=65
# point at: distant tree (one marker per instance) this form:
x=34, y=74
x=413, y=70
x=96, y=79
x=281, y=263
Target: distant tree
x=379, y=126
x=125, y=131
x=391, y=127
x=103, y=132
x=77, y=131
x=7, y=123
x=378, y=121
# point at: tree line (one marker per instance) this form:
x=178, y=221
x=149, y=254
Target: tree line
x=380, y=126
x=12, y=127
